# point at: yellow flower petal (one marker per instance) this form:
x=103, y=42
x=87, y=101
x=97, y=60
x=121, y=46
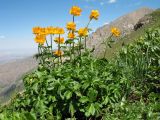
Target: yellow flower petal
x=115, y=31
x=76, y=11
x=59, y=40
x=71, y=35
x=58, y=53
x=71, y=26
x=83, y=32
x=59, y=30
x=94, y=14
x=40, y=39
x=36, y=30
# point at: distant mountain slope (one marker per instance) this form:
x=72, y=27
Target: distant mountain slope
x=126, y=24
x=12, y=72
x=148, y=22
x=9, y=72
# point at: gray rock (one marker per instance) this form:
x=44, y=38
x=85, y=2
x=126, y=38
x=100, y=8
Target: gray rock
x=125, y=23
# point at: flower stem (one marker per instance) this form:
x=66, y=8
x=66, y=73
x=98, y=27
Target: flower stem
x=88, y=23
x=38, y=50
x=105, y=53
x=70, y=51
x=73, y=40
x=73, y=18
x=47, y=47
x=51, y=44
x=46, y=43
x=80, y=51
x=73, y=50
x=59, y=48
x=80, y=46
x=85, y=43
x=106, y=44
x=85, y=37
x=41, y=53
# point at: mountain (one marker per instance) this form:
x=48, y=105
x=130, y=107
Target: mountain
x=132, y=26
x=11, y=74
x=127, y=25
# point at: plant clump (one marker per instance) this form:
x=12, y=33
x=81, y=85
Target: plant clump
x=71, y=84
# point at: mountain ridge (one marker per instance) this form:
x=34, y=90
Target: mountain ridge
x=125, y=23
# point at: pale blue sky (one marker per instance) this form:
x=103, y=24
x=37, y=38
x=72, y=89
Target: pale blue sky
x=17, y=17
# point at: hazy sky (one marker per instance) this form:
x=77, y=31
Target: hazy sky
x=17, y=17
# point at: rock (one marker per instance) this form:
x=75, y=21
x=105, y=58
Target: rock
x=143, y=21
x=125, y=23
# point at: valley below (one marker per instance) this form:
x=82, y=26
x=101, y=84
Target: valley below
x=12, y=70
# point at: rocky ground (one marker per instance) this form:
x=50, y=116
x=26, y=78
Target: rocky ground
x=125, y=23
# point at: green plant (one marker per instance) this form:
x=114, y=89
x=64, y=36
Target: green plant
x=73, y=91
x=126, y=88
x=142, y=60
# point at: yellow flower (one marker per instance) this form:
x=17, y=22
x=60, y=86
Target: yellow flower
x=115, y=31
x=50, y=30
x=71, y=35
x=58, y=53
x=59, y=30
x=36, y=30
x=83, y=32
x=76, y=11
x=43, y=31
x=94, y=14
x=59, y=40
x=54, y=30
x=71, y=26
x=40, y=39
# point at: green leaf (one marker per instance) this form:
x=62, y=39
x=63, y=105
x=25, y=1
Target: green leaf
x=92, y=109
x=68, y=94
x=50, y=88
x=78, y=93
x=40, y=106
x=39, y=74
x=69, y=41
x=85, y=85
x=30, y=116
x=87, y=114
x=109, y=45
x=124, y=50
x=106, y=100
x=83, y=99
x=71, y=109
x=92, y=94
x=63, y=46
x=35, y=87
x=76, y=86
x=62, y=87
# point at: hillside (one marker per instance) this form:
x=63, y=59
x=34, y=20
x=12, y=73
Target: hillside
x=85, y=87
x=11, y=74
x=127, y=23
x=94, y=89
